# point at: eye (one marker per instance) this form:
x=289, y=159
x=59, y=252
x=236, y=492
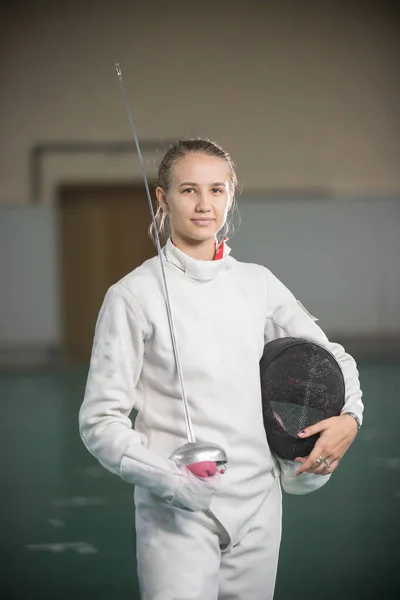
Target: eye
x=217, y=190
x=188, y=190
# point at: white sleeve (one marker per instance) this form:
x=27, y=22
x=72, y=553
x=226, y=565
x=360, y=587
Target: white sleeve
x=287, y=317
x=114, y=373
x=299, y=485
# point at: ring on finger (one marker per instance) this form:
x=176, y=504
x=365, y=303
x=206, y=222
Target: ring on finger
x=320, y=460
x=327, y=464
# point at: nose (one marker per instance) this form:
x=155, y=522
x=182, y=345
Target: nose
x=203, y=203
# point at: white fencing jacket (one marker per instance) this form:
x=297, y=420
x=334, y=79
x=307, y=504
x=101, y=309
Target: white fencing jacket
x=225, y=311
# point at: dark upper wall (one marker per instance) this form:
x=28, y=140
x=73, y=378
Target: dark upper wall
x=303, y=94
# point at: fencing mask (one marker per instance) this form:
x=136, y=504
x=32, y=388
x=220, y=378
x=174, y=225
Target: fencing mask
x=301, y=384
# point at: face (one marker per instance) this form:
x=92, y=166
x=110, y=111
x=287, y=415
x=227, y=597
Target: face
x=198, y=199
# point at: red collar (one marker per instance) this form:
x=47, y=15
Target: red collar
x=219, y=252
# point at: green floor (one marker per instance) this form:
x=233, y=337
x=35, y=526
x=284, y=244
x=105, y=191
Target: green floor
x=342, y=542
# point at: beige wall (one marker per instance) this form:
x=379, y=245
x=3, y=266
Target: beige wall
x=303, y=94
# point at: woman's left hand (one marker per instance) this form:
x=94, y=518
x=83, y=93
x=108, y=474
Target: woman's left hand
x=336, y=436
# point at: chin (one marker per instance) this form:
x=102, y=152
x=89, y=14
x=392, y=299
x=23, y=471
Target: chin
x=203, y=235
x=193, y=234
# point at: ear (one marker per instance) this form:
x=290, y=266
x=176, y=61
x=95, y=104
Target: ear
x=162, y=198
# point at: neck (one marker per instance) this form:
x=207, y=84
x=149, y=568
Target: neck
x=200, y=250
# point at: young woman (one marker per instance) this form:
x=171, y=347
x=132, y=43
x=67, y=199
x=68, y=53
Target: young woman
x=215, y=537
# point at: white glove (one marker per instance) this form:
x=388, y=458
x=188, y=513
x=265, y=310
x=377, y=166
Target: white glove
x=299, y=484
x=195, y=493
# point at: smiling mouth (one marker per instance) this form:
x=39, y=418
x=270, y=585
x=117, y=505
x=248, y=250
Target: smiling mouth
x=202, y=220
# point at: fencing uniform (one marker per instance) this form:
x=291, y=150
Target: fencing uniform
x=224, y=313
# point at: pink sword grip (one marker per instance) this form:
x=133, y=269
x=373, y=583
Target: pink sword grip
x=204, y=469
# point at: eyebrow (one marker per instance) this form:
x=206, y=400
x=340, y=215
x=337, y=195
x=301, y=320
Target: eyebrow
x=193, y=184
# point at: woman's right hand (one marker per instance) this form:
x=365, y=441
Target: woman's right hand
x=196, y=492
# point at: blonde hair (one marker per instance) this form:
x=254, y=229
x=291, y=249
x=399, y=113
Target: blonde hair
x=179, y=150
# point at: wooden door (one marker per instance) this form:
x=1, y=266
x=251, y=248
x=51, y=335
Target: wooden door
x=104, y=236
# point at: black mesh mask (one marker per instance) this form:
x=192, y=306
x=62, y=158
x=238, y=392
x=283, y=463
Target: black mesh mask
x=301, y=384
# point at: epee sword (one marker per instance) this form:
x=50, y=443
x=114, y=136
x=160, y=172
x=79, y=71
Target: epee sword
x=192, y=452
